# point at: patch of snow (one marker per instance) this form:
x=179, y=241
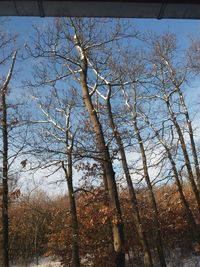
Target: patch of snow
x=43, y=262
x=190, y=261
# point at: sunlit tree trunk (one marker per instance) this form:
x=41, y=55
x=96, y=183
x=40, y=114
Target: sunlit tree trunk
x=5, y=221
x=73, y=212
x=185, y=153
x=191, y=135
x=5, y=226
x=177, y=78
x=190, y=217
x=185, y=204
x=177, y=82
x=157, y=229
x=117, y=224
x=136, y=215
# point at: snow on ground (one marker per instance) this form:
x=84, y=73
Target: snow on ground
x=45, y=262
x=192, y=261
x=48, y=264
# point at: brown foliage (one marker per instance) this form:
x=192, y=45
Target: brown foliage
x=51, y=218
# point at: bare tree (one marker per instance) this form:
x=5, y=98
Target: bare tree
x=168, y=146
x=5, y=193
x=121, y=149
x=179, y=77
x=133, y=109
x=57, y=144
x=71, y=47
x=137, y=219
x=168, y=78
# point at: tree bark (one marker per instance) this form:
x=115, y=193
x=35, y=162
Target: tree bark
x=157, y=232
x=185, y=204
x=75, y=235
x=73, y=212
x=185, y=154
x=189, y=214
x=188, y=121
x=191, y=135
x=5, y=223
x=114, y=204
x=136, y=215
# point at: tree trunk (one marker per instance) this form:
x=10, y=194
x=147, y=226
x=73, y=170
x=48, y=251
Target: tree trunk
x=157, y=232
x=73, y=212
x=111, y=247
x=5, y=223
x=75, y=235
x=189, y=214
x=114, y=204
x=35, y=241
x=136, y=215
x=191, y=135
x=117, y=225
x=186, y=156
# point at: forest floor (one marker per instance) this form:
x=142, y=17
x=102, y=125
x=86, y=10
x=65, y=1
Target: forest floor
x=44, y=262
x=189, y=261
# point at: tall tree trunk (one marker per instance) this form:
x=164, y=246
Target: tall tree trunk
x=114, y=204
x=189, y=214
x=136, y=215
x=188, y=121
x=185, y=154
x=5, y=225
x=75, y=235
x=73, y=212
x=157, y=230
x=191, y=135
x=117, y=226
x=111, y=247
x=5, y=221
x=185, y=204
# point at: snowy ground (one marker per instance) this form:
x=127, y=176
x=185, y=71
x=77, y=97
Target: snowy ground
x=192, y=261
x=46, y=262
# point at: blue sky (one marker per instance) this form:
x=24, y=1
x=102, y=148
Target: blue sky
x=184, y=29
